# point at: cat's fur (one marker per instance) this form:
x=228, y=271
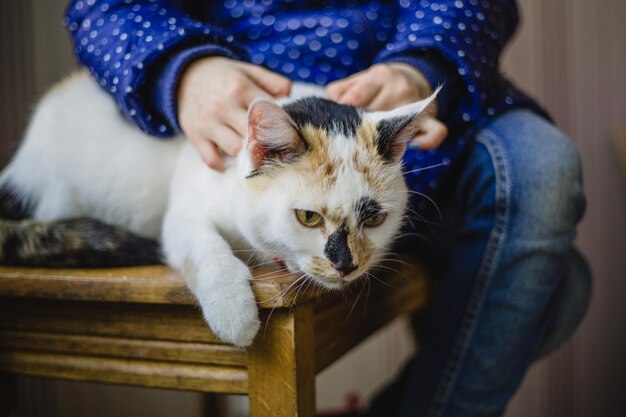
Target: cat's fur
x=81, y=159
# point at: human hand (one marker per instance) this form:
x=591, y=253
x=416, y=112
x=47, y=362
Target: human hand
x=213, y=99
x=386, y=86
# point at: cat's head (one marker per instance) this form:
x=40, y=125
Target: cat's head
x=324, y=190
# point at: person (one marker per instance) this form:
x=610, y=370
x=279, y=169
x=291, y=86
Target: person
x=507, y=183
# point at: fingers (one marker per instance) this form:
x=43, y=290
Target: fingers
x=274, y=84
x=361, y=93
x=209, y=153
x=225, y=138
x=432, y=134
x=237, y=119
x=337, y=88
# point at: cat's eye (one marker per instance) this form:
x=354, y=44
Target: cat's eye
x=375, y=220
x=309, y=218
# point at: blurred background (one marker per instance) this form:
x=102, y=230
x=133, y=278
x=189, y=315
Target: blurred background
x=571, y=55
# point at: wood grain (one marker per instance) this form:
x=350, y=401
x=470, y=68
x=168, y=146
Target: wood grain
x=130, y=372
x=147, y=285
x=281, y=366
x=124, y=348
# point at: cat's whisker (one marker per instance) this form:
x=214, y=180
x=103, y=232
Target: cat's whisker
x=445, y=163
x=356, y=301
x=280, y=295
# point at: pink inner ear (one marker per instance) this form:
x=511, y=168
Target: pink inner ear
x=270, y=133
x=258, y=115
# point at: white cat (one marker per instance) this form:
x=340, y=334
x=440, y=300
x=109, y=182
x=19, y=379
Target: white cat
x=318, y=187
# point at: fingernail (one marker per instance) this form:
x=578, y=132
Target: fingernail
x=414, y=145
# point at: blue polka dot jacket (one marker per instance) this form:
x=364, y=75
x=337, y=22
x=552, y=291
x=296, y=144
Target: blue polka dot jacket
x=137, y=49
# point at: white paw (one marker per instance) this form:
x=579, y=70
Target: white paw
x=227, y=301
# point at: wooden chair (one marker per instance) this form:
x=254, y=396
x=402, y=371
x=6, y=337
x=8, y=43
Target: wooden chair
x=140, y=326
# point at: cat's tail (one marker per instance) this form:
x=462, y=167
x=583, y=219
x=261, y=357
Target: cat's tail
x=79, y=242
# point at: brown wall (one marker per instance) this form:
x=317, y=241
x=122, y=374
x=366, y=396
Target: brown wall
x=571, y=54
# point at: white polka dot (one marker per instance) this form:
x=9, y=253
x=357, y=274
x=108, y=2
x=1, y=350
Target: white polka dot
x=299, y=39
x=132, y=112
x=336, y=37
x=293, y=24
x=342, y=23
x=466, y=117
x=321, y=31
x=437, y=20
x=309, y=23
x=304, y=73
x=330, y=52
x=315, y=45
x=353, y=44
x=293, y=54
x=128, y=89
x=321, y=79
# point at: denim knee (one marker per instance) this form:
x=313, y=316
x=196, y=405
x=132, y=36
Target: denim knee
x=545, y=176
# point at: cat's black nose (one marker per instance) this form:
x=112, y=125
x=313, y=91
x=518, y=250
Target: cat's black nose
x=345, y=269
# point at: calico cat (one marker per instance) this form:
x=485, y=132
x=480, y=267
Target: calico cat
x=318, y=187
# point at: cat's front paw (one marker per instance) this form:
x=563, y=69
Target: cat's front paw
x=228, y=303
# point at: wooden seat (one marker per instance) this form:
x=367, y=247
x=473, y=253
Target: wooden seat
x=140, y=326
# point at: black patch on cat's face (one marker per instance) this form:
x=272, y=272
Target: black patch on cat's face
x=366, y=208
x=388, y=130
x=338, y=252
x=324, y=114
x=12, y=205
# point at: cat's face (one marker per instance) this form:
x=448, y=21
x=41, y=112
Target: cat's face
x=325, y=188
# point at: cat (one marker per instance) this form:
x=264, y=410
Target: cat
x=318, y=188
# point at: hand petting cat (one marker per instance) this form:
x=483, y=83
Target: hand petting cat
x=387, y=86
x=216, y=123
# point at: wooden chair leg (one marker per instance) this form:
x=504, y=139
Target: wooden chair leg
x=8, y=394
x=281, y=365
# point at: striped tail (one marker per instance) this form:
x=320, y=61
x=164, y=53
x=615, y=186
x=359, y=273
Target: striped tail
x=79, y=242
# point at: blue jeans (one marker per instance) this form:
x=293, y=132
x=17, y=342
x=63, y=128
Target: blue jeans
x=511, y=286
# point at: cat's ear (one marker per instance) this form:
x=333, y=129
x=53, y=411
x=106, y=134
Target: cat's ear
x=399, y=126
x=271, y=134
